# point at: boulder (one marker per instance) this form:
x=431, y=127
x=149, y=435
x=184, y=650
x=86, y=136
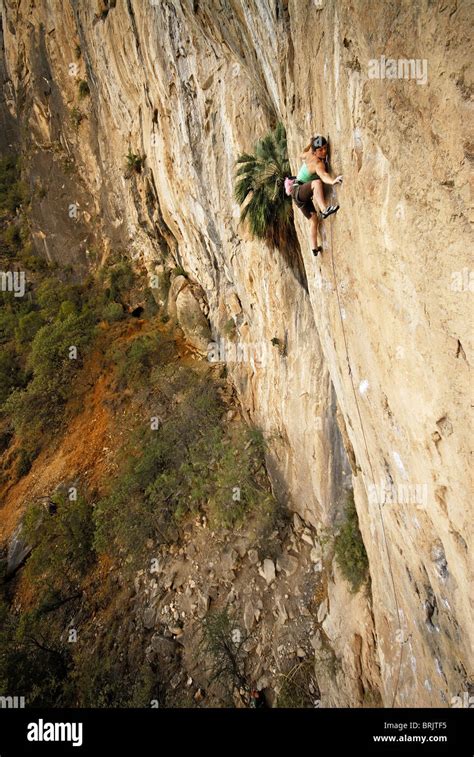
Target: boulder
x=322, y=611
x=164, y=648
x=18, y=551
x=267, y=571
x=149, y=616
x=177, y=284
x=192, y=320
x=249, y=616
x=288, y=564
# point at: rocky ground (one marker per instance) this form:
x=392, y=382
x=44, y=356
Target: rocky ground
x=274, y=592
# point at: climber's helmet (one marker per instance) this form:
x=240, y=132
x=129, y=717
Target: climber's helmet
x=318, y=142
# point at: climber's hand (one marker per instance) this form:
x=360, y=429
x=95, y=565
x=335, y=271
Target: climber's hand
x=337, y=180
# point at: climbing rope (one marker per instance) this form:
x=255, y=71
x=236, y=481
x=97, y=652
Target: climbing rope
x=370, y=465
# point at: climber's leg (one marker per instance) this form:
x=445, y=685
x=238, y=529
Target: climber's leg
x=314, y=224
x=319, y=201
x=318, y=195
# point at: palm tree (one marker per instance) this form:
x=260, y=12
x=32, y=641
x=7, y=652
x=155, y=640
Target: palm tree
x=268, y=211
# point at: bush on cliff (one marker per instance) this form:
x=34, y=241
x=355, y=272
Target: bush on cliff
x=268, y=211
x=192, y=462
x=350, y=550
x=51, y=362
x=260, y=180
x=12, y=192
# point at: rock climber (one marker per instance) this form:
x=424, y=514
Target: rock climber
x=307, y=188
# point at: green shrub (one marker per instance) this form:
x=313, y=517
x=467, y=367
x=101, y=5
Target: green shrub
x=230, y=329
x=28, y=325
x=77, y=116
x=5, y=439
x=103, y=680
x=12, y=191
x=30, y=260
x=67, y=308
x=349, y=548
x=151, y=306
x=63, y=550
x=11, y=238
x=112, y=312
x=121, y=279
x=8, y=318
x=135, y=362
x=31, y=659
x=280, y=345
x=134, y=162
x=167, y=474
x=24, y=462
x=68, y=164
x=178, y=271
x=11, y=374
x=52, y=292
x=187, y=465
x=83, y=89
x=164, y=284
x=34, y=652
x=223, y=644
x=28, y=353
x=238, y=486
x=38, y=407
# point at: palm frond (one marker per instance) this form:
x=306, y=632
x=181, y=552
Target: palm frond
x=245, y=158
x=268, y=211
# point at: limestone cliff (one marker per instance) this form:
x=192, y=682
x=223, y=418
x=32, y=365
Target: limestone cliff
x=371, y=388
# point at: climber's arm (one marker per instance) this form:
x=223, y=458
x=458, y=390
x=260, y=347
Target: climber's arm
x=319, y=168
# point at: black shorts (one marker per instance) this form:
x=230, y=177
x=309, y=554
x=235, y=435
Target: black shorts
x=302, y=194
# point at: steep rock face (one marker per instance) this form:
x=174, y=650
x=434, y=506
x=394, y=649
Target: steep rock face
x=383, y=331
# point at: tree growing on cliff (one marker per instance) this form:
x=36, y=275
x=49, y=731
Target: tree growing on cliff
x=259, y=188
x=350, y=550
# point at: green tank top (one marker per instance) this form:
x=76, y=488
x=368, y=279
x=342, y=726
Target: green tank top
x=304, y=175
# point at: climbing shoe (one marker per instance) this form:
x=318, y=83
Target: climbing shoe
x=317, y=250
x=329, y=211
